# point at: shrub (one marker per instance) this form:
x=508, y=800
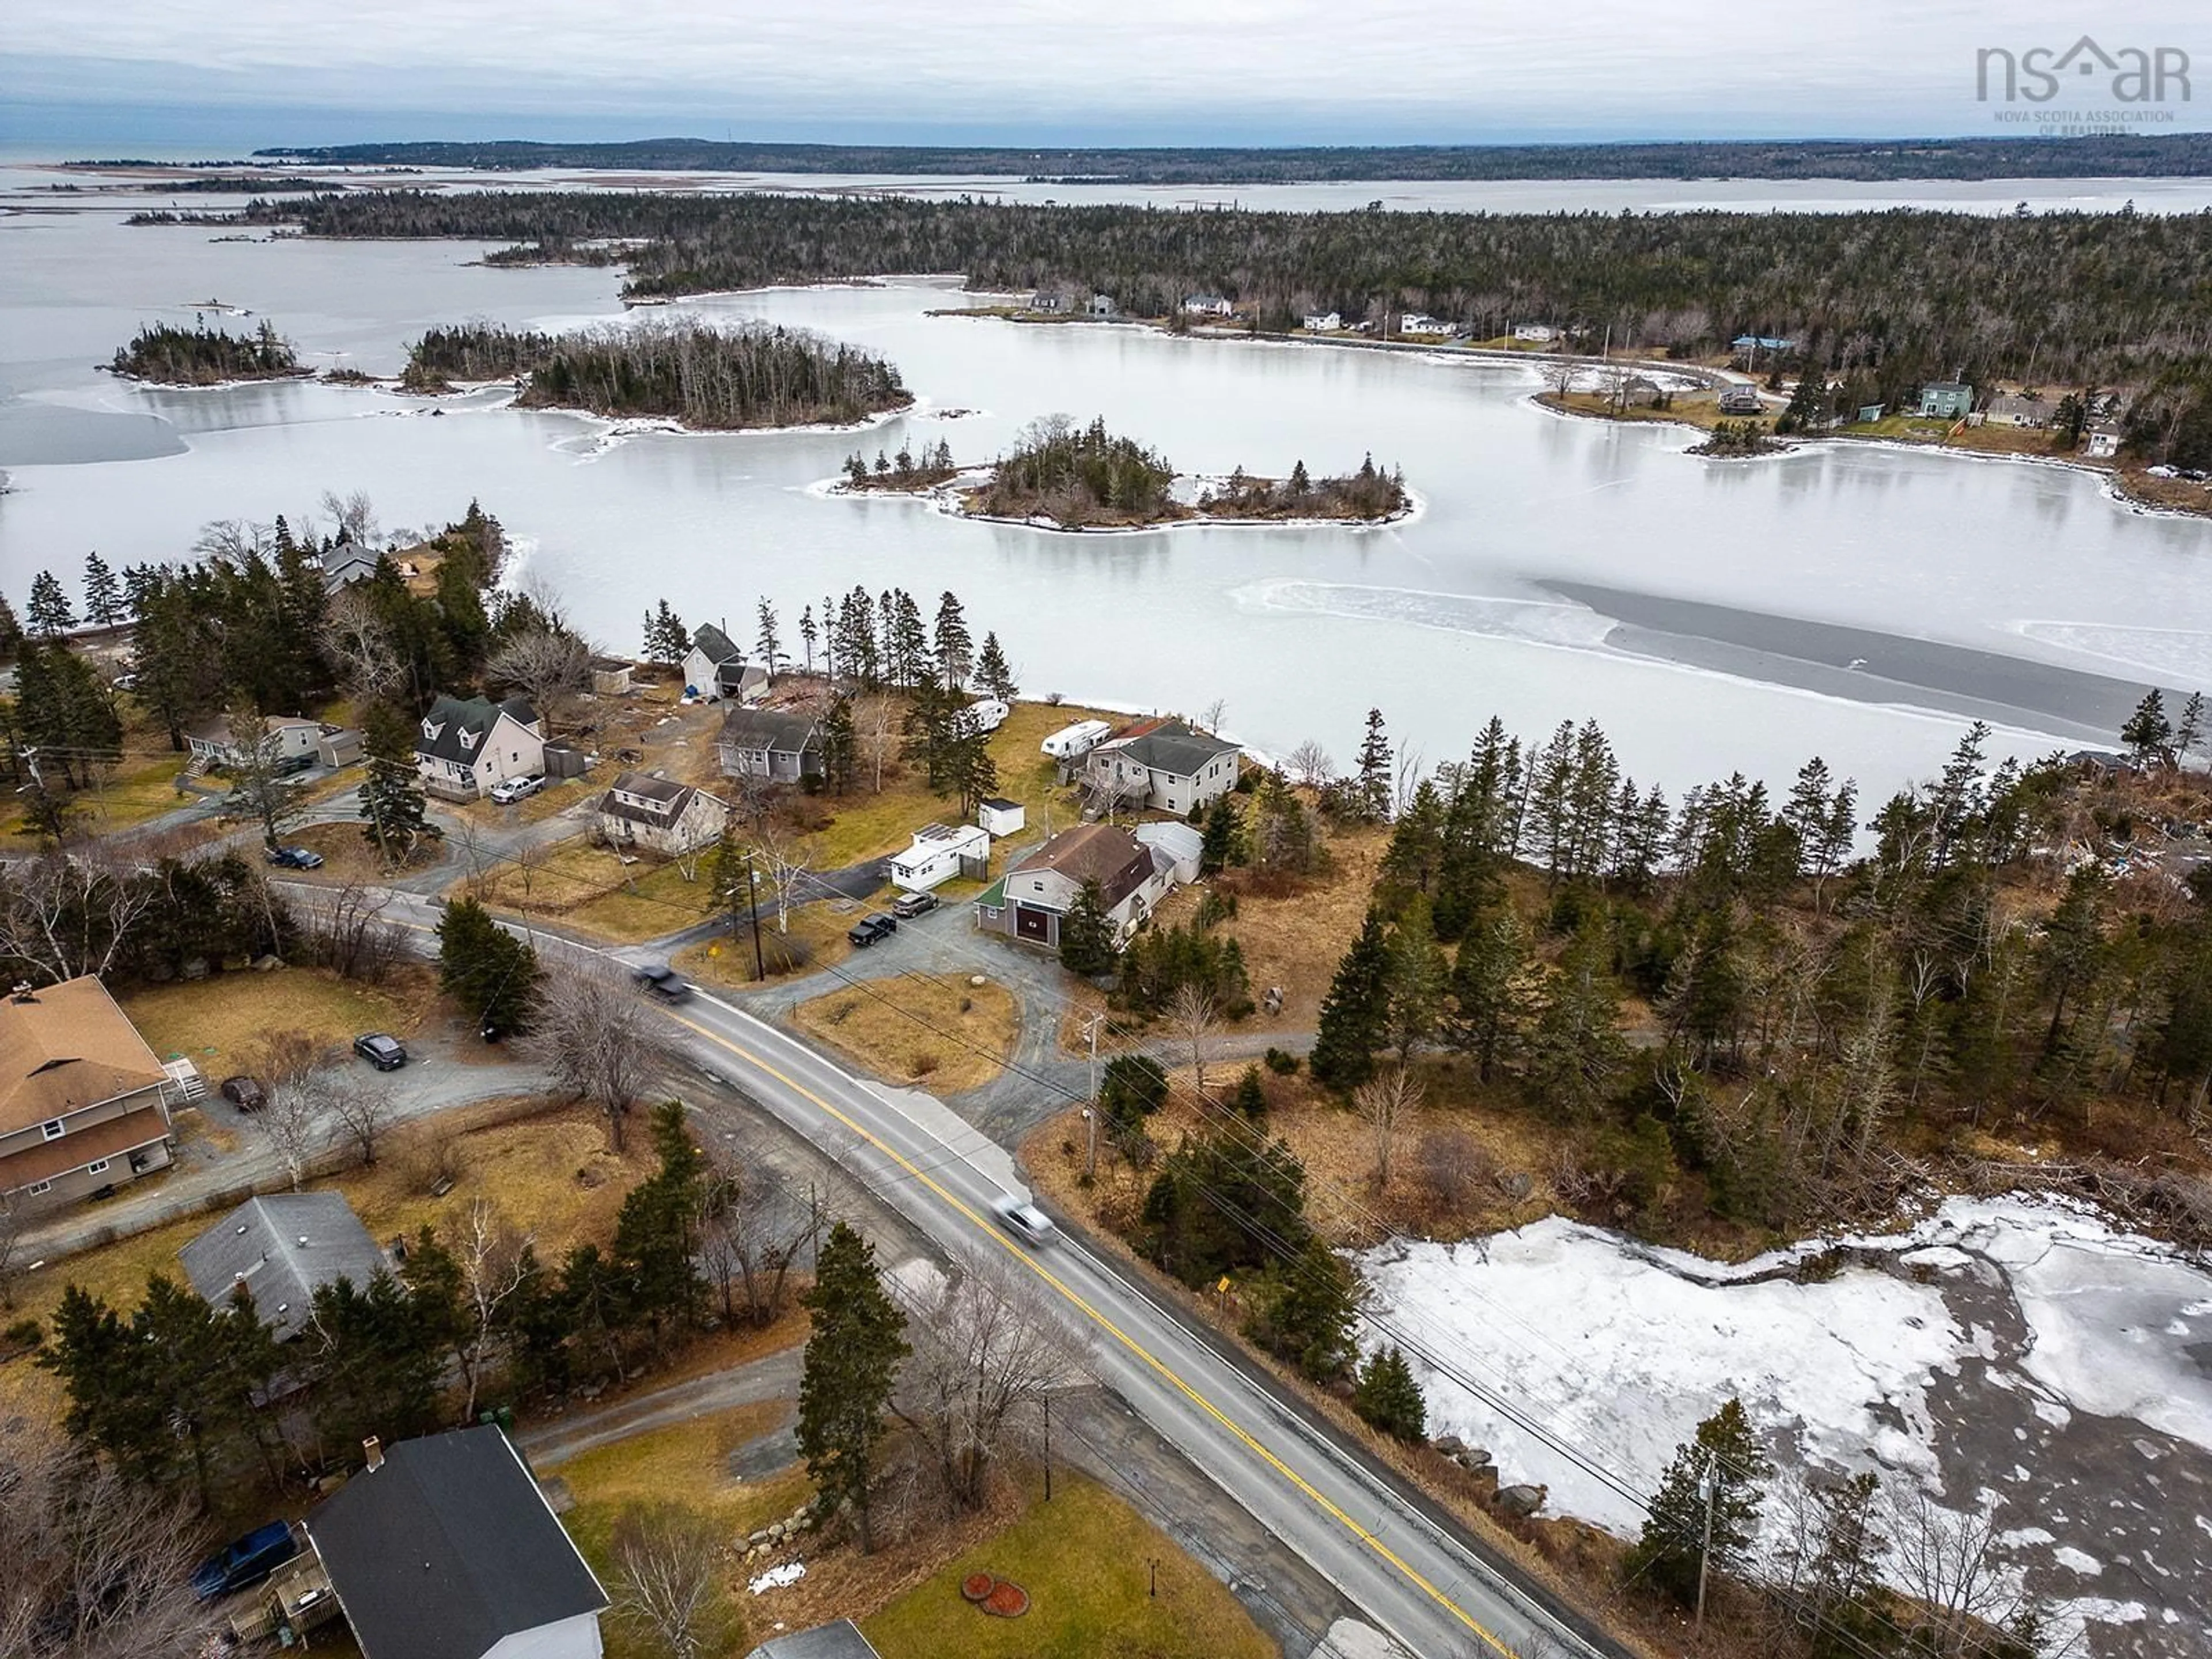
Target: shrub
x=1283, y=1065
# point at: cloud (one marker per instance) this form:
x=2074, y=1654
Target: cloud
x=1390, y=70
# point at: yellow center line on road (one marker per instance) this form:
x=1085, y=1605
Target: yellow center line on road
x=1092, y=1313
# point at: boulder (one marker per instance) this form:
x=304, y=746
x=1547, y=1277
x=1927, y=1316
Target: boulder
x=1450, y=1445
x=1520, y=1502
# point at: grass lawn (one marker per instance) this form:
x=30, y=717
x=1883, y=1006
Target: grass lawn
x=222, y=1022
x=141, y=786
x=865, y=826
x=817, y=940
x=657, y=900
x=897, y=1035
x=1084, y=1559
x=685, y=1465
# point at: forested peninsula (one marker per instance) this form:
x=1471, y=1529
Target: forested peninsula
x=717, y=378
x=1884, y=301
x=169, y=356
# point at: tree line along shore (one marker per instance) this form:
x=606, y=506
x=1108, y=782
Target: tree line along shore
x=1893, y=298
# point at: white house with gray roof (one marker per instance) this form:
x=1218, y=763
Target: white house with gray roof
x=466, y=744
x=660, y=815
x=1163, y=766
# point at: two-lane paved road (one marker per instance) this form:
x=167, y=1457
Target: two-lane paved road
x=1410, y=1575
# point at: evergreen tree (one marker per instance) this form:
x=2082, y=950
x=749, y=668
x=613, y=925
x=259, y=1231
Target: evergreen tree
x=1576, y=1054
x=11, y=631
x=969, y=771
x=1086, y=936
x=1371, y=779
x=103, y=595
x=808, y=635
x=991, y=673
x=955, y=650
x=1226, y=1201
x=393, y=808
x=656, y=1233
x=841, y=751
x=2189, y=732
x=1308, y=1305
x=1355, y=1015
x=493, y=974
x=1418, y=978
x=1388, y=1398
x=1416, y=843
x=50, y=611
x=1489, y=998
x=2148, y=733
x=373, y=1357
x=1133, y=1088
x=1724, y=1462
x=261, y=785
x=667, y=641
x=61, y=707
x=769, y=642
x=1251, y=1097
x=1222, y=843
x=853, y=1355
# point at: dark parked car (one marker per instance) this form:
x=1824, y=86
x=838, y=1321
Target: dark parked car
x=244, y=1093
x=910, y=905
x=869, y=929
x=385, y=1053
x=661, y=981
x=295, y=858
x=246, y=1560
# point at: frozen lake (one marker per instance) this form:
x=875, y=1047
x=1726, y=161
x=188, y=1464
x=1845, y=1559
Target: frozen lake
x=2005, y=1356
x=1857, y=602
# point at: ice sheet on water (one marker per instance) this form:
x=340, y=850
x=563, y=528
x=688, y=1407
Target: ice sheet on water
x=1542, y=622
x=2179, y=656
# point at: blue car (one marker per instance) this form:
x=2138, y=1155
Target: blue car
x=246, y=1560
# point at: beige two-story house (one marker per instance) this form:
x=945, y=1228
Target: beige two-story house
x=466, y=744
x=1161, y=766
x=84, y=1105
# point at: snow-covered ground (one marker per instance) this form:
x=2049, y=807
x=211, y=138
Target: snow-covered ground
x=2005, y=1353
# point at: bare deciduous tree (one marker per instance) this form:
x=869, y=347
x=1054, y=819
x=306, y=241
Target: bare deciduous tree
x=360, y=645
x=748, y=1242
x=987, y=1350
x=354, y=516
x=599, y=1040
x=495, y=1261
x=360, y=1115
x=1386, y=1100
x=550, y=668
x=12, y=1221
x=356, y=941
x=1195, y=1015
x=1951, y=1564
x=296, y=1117
x=70, y=914
x=99, y=1566
x=787, y=856
x=668, y=1569
x=1309, y=764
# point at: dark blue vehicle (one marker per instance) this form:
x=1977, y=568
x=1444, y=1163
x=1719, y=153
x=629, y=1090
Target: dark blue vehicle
x=245, y=1561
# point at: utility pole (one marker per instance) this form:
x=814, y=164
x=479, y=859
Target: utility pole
x=1090, y=1112
x=1046, y=1399
x=752, y=904
x=1705, y=1549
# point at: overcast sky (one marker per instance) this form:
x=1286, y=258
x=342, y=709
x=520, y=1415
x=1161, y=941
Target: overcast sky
x=1018, y=71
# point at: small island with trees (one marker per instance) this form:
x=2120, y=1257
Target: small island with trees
x=1062, y=477
x=708, y=378
x=167, y=356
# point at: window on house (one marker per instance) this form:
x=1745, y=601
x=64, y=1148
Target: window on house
x=38, y=1186
x=52, y=1131
x=97, y=1166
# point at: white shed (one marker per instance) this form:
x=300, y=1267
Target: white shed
x=1072, y=741
x=999, y=816
x=1181, y=844
x=939, y=852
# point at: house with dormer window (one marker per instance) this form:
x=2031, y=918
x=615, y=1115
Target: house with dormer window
x=660, y=815
x=466, y=744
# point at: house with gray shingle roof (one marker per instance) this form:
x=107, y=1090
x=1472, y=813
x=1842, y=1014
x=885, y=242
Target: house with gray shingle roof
x=1164, y=765
x=282, y=1248
x=660, y=815
x=466, y=744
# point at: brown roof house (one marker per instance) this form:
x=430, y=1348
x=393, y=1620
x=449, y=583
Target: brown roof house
x=660, y=815
x=1165, y=766
x=84, y=1105
x=1029, y=901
